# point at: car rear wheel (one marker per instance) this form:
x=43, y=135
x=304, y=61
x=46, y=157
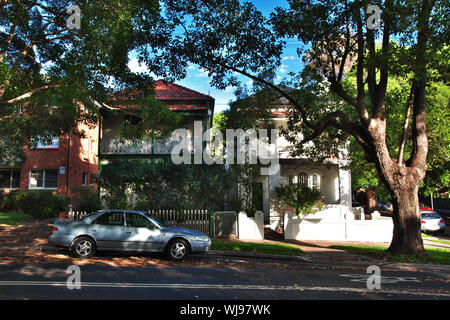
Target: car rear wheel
x=178, y=250
x=83, y=247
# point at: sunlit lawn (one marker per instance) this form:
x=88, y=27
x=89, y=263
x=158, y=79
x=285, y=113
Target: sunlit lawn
x=14, y=218
x=272, y=248
x=438, y=256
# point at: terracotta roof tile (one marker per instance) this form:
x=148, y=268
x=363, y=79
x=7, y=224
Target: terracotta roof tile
x=177, y=98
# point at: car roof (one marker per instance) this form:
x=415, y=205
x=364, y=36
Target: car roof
x=123, y=210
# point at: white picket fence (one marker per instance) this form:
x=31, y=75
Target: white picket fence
x=77, y=215
x=198, y=220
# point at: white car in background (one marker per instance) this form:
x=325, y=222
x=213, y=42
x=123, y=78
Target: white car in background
x=432, y=221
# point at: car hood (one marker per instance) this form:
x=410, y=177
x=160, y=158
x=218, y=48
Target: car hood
x=183, y=231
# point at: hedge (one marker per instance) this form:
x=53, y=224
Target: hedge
x=41, y=204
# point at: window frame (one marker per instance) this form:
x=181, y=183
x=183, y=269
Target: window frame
x=110, y=213
x=11, y=179
x=151, y=224
x=43, y=180
x=40, y=145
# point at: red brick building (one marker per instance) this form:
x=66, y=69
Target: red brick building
x=67, y=162
x=72, y=160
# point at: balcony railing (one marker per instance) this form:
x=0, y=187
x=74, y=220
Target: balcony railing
x=115, y=146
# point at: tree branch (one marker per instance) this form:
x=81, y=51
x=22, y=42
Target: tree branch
x=294, y=102
x=405, y=125
x=7, y=42
x=31, y=93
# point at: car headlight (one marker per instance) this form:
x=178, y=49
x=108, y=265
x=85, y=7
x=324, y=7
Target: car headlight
x=200, y=238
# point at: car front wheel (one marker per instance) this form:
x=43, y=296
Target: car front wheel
x=83, y=247
x=178, y=250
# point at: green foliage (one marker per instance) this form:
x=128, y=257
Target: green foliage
x=85, y=199
x=63, y=71
x=9, y=201
x=303, y=199
x=41, y=204
x=13, y=218
x=163, y=185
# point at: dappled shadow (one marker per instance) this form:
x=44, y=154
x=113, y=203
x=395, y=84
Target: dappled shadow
x=33, y=234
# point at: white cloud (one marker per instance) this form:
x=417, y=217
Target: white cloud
x=288, y=58
x=202, y=73
x=229, y=89
x=136, y=67
x=191, y=67
x=220, y=107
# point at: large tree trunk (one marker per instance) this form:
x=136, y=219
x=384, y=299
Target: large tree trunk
x=407, y=237
x=403, y=183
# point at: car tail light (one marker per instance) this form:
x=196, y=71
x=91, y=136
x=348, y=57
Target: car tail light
x=54, y=228
x=442, y=221
x=423, y=221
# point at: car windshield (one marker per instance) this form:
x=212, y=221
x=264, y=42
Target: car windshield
x=431, y=215
x=157, y=221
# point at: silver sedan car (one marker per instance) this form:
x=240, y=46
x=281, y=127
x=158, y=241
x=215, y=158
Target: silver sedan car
x=126, y=230
x=432, y=221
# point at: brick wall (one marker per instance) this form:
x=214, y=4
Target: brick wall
x=70, y=163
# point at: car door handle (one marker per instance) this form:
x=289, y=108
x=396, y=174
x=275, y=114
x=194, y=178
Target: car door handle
x=129, y=232
x=93, y=230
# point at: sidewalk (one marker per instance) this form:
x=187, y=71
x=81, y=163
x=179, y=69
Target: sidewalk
x=316, y=253
x=320, y=253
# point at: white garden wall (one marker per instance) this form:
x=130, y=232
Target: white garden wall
x=251, y=227
x=336, y=223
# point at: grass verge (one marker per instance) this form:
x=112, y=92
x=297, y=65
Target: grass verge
x=431, y=238
x=271, y=248
x=14, y=218
x=436, y=256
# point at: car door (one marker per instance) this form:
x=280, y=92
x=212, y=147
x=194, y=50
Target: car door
x=143, y=234
x=109, y=231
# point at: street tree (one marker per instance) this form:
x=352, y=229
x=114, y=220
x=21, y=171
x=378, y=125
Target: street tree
x=227, y=37
x=60, y=59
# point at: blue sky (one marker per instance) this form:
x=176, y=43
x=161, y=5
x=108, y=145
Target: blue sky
x=198, y=80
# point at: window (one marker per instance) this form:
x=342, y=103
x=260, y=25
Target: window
x=93, y=146
x=315, y=182
x=84, y=179
x=303, y=178
x=92, y=179
x=9, y=179
x=85, y=145
x=291, y=179
x=110, y=219
x=136, y=220
x=42, y=143
x=43, y=179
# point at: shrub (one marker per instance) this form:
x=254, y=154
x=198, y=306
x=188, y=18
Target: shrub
x=9, y=201
x=299, y=196
x=41, y=204
x=85, y=199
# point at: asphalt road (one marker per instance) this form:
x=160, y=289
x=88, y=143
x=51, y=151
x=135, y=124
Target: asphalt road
x=201, y=284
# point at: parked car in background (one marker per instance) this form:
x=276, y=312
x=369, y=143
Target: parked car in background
x=423, y=206
x=126, y=230
x=432, y=221
x=384, y=205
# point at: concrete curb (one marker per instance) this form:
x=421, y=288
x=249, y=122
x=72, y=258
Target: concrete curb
x=258, y=255
x=305, y=259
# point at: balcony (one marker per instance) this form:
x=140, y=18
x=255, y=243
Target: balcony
x=117, y=147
